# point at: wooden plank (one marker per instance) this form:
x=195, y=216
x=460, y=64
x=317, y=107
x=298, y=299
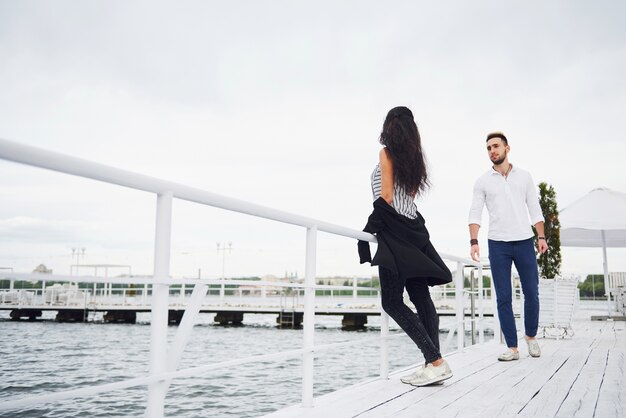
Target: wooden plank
x=498, y=388
x=479, y=394
x=361, y=398
x=349, y=401
x=580, y=376
x=552, y=394
x=612, y=397
x=465, y=381
x=519, y=395
x=581, y=400
x=574, y=390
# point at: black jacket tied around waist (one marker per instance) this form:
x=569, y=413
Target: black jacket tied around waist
x=404, y=246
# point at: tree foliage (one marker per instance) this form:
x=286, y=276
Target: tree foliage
x=593, y=286
x=550, y=261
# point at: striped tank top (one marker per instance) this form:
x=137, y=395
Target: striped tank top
x=403, y=203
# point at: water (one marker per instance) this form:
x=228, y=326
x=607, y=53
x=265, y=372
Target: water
x=45, y=356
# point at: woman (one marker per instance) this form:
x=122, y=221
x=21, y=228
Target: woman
x=405, y=256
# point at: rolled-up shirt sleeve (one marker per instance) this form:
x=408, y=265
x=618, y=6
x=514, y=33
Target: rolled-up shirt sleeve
x=532, y=202
x=478, y=202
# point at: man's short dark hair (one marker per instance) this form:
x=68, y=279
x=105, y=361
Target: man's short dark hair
x=498, y=135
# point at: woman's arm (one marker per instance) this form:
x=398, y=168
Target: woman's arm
x=386, y=174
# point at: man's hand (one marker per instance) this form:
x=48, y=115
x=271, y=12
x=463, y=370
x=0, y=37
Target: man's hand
x=475, y=253
x=542, y=246
x=475, y=250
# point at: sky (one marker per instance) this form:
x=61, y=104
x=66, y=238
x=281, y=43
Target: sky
x=281, y=104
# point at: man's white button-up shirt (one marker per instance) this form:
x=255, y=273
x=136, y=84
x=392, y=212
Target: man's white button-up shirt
x=510, y=200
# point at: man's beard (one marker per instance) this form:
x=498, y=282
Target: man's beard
x=499, y=160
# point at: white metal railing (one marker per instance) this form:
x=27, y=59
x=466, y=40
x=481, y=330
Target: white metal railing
x=163, y=368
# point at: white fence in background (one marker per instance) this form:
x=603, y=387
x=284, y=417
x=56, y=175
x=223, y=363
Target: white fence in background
x=164, y=360
x=75, y=294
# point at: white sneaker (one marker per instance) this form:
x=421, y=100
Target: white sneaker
x=533, y=348
x=509, y=355
x=407, y=379
x=432, y=374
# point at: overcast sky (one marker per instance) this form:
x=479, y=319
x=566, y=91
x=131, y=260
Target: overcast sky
x=281, y=103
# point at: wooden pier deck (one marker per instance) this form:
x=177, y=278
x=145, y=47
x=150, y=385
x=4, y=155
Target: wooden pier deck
x=582, y=376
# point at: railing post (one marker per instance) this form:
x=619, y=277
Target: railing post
x=384, y=345
x=497, y=330
x=183, y=333
x=605, y=269
x=472, y=295
x=481, y=306
x=160, y=294
x=144, y=294
x=309, y=317
x=460, y=307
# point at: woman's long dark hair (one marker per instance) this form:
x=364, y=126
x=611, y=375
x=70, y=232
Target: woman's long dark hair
x=402, y=139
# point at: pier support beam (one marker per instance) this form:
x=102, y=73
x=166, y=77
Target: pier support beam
x=71, y=315
x=174, y=317
x=124, y=317
x=229, y=318
x=31, y=314
x=351, y=322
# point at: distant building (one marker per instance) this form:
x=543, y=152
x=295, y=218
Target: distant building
x=42, y=269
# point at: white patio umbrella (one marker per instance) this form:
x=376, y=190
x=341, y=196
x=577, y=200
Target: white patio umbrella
x=598, y=219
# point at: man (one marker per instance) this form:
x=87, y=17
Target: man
x=510, y=196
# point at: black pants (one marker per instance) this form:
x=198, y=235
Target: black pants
x=423, y=327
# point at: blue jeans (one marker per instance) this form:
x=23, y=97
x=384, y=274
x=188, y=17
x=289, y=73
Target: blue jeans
x=522, y=253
